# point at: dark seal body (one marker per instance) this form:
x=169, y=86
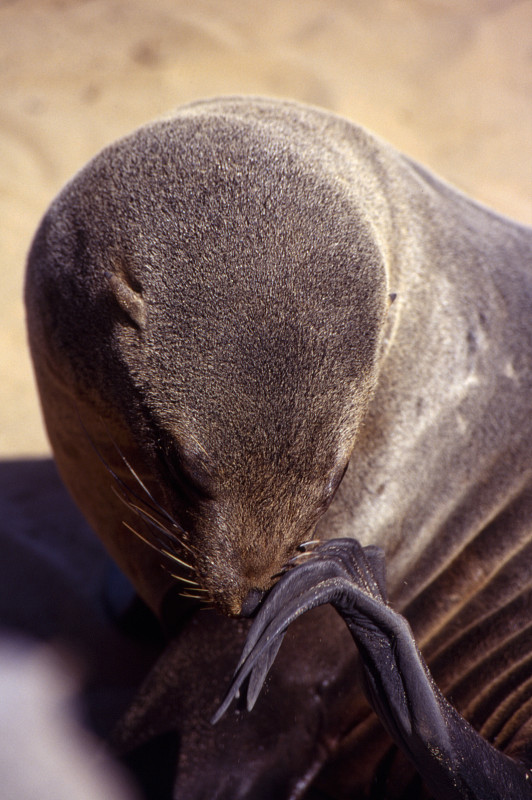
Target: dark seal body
x=210, y=297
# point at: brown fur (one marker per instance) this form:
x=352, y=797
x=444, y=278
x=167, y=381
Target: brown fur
x=211, y=293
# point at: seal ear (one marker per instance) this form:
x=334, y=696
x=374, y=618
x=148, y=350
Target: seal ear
x=128, y=295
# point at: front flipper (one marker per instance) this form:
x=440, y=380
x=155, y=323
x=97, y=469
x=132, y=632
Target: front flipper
x=451, y=757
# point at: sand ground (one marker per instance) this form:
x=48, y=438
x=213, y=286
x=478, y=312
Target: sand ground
x=450, y=83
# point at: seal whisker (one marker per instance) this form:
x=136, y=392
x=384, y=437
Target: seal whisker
x=147, y=517
x=194, y=587
x=105, y=463
x=191, y=596
x=158, y=507
x=151, y=520
x=155, y=523
x=311, y=543
x=299, y=558
x=127, y=490
x=154, y=520
x=144, y=515
x=155, y=507
x=188, y=581
x=175, y=558
x=157, y=547
x=140, y=536
x=188, y=546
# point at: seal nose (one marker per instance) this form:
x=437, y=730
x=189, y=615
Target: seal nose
x=251, y=602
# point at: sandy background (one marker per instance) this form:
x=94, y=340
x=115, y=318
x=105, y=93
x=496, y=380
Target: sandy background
x=448, y=82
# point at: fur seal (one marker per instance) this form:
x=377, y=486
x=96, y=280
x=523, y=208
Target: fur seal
x=174, y=293
x=209, y=299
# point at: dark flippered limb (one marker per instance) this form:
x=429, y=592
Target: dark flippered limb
x=451, y=757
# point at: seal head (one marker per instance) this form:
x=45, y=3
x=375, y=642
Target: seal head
x=210, y=287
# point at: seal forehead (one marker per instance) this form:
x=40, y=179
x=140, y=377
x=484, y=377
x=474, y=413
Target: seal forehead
x=258, y=270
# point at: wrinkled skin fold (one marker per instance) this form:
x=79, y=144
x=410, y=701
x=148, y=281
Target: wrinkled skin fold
x=450, y=756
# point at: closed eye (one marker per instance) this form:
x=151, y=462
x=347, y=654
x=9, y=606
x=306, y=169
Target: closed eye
x=190, y=482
